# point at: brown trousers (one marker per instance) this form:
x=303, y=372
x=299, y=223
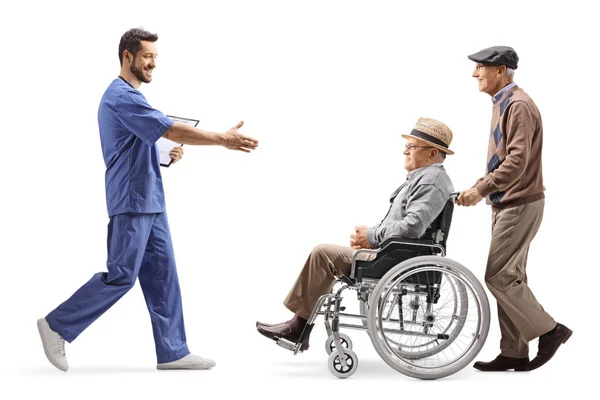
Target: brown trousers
x=520, y=315
x=325, y=262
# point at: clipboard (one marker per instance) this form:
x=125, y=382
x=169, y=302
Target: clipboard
x=166, y=145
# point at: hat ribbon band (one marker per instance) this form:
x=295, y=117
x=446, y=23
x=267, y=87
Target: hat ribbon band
x=429, y=138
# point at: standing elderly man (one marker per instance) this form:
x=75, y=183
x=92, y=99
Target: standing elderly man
x=139, y=239
x=514, y=188
x=414, y=206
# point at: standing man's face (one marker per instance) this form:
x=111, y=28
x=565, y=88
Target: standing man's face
x=144, y=62
x=488, y=78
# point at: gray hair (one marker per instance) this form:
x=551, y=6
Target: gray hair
x=510, y=73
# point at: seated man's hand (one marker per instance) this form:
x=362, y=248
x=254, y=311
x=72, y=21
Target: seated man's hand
x=176, y=153
x=468, y=197
x=358, y=240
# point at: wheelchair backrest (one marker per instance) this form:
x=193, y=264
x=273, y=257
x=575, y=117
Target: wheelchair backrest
x=440, y=228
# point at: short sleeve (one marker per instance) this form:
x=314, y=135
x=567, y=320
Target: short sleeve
x=136, y=115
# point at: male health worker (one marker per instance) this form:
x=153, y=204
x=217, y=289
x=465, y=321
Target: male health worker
x=139, y=242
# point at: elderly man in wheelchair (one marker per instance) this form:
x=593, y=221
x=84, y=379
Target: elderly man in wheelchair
x=427, y=316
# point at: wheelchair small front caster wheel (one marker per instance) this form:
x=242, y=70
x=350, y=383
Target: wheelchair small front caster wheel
x=344, y=339
x=339, y=370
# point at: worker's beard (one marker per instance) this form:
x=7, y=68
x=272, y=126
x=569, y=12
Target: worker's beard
x=139, y=73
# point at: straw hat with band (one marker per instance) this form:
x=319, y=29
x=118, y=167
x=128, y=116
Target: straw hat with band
x=434, y=133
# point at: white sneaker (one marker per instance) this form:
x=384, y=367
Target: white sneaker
x=188, y=362
x=54, y=345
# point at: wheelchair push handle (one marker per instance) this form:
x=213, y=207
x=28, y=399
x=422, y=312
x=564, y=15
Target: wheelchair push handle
x=454, y=196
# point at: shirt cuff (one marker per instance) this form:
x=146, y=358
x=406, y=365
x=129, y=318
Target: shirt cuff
x=372, y=239
x=485, y=188
x=165, y=124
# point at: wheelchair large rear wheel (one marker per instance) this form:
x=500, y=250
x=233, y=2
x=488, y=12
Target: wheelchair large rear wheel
x=428, y=317
x=417, y=310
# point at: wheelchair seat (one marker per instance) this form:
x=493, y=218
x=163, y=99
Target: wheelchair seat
x=396, y=249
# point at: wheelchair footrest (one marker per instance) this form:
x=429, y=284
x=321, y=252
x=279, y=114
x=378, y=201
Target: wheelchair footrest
x=286, y=344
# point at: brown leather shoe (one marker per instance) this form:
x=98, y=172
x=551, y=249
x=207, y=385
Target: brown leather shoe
x=283, y=331
x=548, y=344
x=502, y=363
x=264, y=324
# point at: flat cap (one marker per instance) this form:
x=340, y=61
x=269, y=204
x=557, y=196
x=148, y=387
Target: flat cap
x=497, y=55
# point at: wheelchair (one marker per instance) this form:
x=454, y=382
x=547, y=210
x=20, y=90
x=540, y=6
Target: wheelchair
x=426, y=315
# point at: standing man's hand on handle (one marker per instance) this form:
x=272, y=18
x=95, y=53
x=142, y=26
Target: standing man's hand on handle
x=469, y=197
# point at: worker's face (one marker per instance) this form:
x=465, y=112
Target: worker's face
x=144, y=62
x=418, y=154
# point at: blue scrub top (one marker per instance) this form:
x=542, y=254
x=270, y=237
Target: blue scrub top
x=129, y=129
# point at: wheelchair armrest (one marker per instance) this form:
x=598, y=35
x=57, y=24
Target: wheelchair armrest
x=399, y=240
x=393, y=251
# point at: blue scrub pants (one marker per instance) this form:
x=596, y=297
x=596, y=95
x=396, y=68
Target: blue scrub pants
x=139, y=245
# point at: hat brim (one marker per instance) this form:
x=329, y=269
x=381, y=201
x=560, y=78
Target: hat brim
x=482, y=61
x=437, y=146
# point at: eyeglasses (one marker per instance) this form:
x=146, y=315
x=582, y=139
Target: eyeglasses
x=411, y=147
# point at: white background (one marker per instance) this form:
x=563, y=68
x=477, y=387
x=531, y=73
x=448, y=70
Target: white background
x=327, y=87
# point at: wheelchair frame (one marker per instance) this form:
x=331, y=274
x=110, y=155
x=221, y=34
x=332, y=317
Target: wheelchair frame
x=329, y=305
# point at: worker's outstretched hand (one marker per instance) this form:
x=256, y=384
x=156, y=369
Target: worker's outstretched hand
x=233, y=140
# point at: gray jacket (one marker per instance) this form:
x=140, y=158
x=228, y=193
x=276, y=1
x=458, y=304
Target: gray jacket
x=414, y=205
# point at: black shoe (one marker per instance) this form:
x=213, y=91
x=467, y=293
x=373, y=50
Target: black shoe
x=502, y=363
x=548, y=344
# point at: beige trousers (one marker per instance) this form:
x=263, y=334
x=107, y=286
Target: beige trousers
x=520, y=315
x=324, y=264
